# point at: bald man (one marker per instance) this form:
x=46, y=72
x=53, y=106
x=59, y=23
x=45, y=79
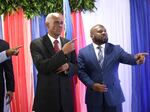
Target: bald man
x=55, y=60
x=98, y=69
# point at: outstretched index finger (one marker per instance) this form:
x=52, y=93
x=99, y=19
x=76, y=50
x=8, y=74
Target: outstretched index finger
x=144, y=53
x=18, y=46
x=73, y=40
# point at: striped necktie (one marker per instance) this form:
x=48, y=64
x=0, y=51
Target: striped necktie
x=100, y=56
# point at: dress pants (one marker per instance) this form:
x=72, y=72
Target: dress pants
x=104, y=107
x=1, y=99
x=61, y=110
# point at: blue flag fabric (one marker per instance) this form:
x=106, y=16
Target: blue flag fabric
x=67, y=19
x=1, y=31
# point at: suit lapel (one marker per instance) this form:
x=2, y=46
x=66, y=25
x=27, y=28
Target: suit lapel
x=93, y=56
x=63, y=41
x=107, y=56
x=48, y=44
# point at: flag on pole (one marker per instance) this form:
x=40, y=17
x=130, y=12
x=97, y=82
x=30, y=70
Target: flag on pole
x=67, y=20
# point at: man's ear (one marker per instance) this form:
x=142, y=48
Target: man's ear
x=92, y=36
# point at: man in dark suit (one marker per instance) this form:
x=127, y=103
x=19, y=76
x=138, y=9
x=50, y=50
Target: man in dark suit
x=98, y=70
x=55, y=60
x=6, y=67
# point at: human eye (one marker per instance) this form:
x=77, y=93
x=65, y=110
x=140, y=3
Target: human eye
x=58, y=22
x=100, y=31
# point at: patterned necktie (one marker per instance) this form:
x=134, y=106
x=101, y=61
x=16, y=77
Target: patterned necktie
x=56, y=46
x=100, y=56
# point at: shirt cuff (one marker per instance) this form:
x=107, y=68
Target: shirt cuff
x=3, y=56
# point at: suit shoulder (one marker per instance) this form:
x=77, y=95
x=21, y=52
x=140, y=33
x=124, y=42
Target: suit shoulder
x=4, y=42
x=64, y=39
x=38, y=41
x=4, y=45
x=112, y=45
x=85, y=48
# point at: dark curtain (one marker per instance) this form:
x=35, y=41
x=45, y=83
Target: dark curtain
x=140, y=38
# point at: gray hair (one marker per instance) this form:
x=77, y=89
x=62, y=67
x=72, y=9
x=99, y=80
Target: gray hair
x=50, y=15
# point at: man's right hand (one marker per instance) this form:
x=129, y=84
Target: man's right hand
x=68, y=47
x=99, y=87
x=13, y=51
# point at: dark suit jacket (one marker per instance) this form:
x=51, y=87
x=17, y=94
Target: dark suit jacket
x=89, y=72
x=53, y=90
x=6, y=68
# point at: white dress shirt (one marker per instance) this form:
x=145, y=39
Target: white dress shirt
x=3, y=56
x=53, y=39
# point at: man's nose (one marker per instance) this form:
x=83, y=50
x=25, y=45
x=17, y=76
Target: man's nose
x=60, y=25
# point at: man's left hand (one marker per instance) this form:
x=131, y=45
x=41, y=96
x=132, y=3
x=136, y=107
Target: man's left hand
x=63, y=68
x=140, y=58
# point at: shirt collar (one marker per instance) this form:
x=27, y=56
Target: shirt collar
x=96, y=46
x=53, y=39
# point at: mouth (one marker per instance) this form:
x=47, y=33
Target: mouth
x=59, y=30
x=104, y=38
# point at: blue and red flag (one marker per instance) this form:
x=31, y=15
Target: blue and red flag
x=67, y=20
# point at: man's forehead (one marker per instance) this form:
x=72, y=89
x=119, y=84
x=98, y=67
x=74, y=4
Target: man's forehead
x=54, y=16
x=99, y=27
x=57, y=17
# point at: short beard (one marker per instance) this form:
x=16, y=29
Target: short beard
x=100, y=42
x=105, y=40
